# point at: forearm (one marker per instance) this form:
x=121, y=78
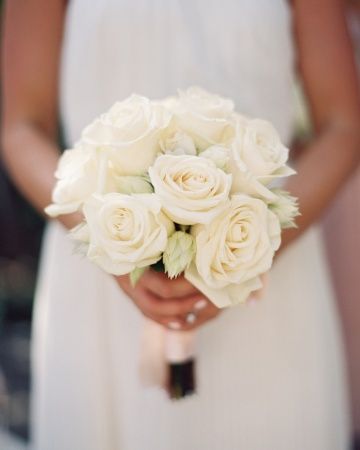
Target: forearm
x=31, y=157
x=321, y=170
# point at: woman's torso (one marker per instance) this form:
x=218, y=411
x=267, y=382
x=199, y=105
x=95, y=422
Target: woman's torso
x=238, y=48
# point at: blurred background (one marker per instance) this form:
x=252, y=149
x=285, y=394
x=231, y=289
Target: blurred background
x=20, y=238
x=20, y=241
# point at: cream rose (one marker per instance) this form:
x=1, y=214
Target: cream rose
x=176, y=142
x=219, y=155
x=245, y=182
x=234, y=249
x=191, y=189
x=77, y=178
x=125, y=231
x=206, y=117
x=257, y=145
x=129, y=132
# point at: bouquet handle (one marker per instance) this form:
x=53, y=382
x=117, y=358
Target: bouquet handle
x=180, y=358
x=168, y=359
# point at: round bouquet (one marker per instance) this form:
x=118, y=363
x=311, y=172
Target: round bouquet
x=185, y=185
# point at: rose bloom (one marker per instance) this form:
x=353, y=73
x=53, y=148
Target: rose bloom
x=206, y=117
x=176, y=142
x=129, y=133
x=219, y=155
x=125, y=231
x=257, y=157
x=234, y=249
x=77, y=175
x=257, y=145
x=191, y=189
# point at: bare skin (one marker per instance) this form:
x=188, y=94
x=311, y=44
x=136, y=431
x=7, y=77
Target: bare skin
x=30, y=102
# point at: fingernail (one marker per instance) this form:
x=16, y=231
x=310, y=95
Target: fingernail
x=201, y=304
x=190, y=318
x=174, y=325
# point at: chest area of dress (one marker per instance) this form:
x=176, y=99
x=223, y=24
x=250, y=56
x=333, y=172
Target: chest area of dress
x=197, y=22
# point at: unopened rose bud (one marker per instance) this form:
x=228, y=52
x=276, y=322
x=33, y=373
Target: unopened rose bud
x=179, y=252
x=285, y=206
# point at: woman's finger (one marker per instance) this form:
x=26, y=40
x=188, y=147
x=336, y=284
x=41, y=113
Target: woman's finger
x=159, y=284
x=154, y=305
x=185, y=313
x=200, y=319
x=169, y=307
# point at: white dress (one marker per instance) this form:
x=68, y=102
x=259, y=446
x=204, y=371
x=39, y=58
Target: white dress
x=270, y=375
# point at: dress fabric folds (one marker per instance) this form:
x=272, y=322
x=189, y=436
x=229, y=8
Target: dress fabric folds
x=270, y=374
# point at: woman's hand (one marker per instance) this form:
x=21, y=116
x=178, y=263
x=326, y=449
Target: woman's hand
x=176, y=303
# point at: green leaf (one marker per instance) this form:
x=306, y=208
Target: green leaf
x=136, y=274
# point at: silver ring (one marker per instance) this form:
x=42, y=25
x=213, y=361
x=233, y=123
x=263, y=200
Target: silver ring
x=190, y=318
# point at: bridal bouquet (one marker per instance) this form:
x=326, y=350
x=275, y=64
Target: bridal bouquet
x=185, y=183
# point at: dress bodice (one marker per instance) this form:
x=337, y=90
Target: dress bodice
x=237, y=48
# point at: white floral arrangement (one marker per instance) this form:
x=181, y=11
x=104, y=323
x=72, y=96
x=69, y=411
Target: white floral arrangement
x=186, y=182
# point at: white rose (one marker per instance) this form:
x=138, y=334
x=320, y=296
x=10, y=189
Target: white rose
x=177, y=142
x=245, y=182
x=230, y=295
x=170, y=103
x=219, y=155
x=257, y=145
x=191, y=189
x=125, y=231
x=129, y=132
x=234, y=249
x=77, y=175
x=206, y=117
